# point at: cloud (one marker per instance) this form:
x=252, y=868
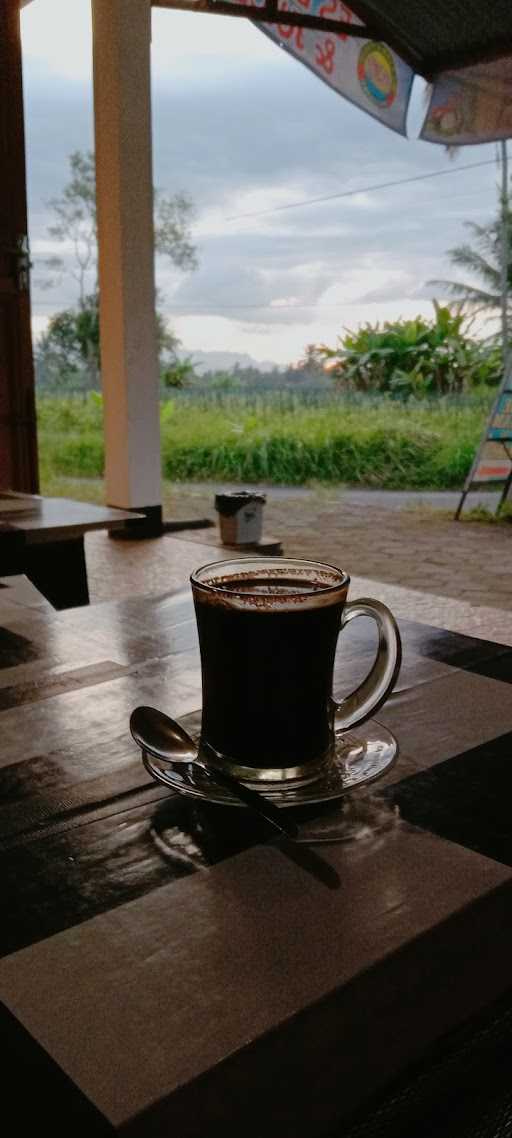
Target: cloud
x=396, y=286
x=237, y=283
x=426, y=291
x=251, y=130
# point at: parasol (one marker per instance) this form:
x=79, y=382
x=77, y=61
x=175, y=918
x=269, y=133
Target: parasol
x=370, y=52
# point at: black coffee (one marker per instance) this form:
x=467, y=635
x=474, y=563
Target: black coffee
x=268, y=673
x=270, y=587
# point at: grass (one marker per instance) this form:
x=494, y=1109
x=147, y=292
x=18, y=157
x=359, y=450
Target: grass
x=483, y=514
x=93, y=490
x=376, y=444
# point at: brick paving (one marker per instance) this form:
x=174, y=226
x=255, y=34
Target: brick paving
x=400, y=548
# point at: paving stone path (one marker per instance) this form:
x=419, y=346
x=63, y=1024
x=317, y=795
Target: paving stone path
x=407, y=548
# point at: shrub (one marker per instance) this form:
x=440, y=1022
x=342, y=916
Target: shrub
x=414, y=358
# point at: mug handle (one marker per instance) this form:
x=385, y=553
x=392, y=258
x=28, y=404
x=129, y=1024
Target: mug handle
x=374, y=690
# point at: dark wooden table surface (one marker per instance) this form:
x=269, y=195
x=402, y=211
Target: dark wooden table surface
x=167, y=966
x=54, y=556
x=58, y=519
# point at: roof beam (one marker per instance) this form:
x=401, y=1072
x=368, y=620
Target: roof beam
x=383, y=29
x=455, y=61
x=427, y=66
x=270, y=14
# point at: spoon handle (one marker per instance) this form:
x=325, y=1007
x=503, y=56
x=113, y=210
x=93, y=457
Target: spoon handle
x=256, y=802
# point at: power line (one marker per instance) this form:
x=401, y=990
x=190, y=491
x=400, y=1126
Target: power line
x=233, y=307
x=363, y=190
x=206, y=307
x=261, y=307
x=197, y=308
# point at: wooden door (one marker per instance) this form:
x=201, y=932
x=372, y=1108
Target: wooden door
x=18, y=439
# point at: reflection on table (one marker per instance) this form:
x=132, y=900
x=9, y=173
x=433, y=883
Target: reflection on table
x=168, y=966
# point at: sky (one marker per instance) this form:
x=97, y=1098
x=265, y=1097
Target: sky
x=243, y=128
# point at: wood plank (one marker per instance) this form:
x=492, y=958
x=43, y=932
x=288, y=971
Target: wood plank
x=62, y=518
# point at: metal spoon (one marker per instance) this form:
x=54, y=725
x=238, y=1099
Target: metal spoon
x=167, y=740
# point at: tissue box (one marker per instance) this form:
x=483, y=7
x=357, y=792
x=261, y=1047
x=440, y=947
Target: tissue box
x=240, y=516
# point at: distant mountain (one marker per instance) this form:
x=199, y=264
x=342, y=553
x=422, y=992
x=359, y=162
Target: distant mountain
x=224, y=361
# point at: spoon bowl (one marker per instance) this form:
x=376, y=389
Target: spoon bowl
x=162, y=736
x=168, y=741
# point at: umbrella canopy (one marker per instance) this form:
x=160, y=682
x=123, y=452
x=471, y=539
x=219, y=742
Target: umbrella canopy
x=462, y=47
x=371, y=50
x=438, y=35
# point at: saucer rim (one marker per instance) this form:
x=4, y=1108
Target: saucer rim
x=276, y=793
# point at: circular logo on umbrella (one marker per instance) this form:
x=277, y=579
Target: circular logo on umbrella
x=376, y=72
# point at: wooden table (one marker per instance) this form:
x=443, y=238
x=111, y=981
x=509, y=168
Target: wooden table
x=54, y=558
x=167, y=967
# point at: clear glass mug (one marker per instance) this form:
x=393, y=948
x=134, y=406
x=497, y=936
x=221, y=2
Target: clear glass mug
x=268, y=632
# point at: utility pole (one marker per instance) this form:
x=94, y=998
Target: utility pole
x=504, y=388
x=504, y=254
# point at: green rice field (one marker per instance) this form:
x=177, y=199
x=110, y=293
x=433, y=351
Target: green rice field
x=280, y=438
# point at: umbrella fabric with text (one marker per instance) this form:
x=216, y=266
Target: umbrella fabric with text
x=463, y=48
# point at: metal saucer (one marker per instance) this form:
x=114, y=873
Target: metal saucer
x=361, y=756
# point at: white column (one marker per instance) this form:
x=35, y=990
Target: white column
x=124, y=194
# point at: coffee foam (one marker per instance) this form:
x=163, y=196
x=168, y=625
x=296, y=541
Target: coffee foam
x=302, y=588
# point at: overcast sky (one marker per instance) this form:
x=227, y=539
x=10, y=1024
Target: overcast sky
x=243, y=127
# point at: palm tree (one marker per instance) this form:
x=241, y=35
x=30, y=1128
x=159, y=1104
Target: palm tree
x=483, y=259
x=490, y=258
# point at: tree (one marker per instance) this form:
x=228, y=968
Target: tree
x=76, y=222
x=490, y=260
x=70, y=346
x=483, y=259
x=75, y=213
x=178, y=373
x=68, y=353
x=311, y=366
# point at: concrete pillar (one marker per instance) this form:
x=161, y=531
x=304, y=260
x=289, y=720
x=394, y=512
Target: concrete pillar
x=124, y=193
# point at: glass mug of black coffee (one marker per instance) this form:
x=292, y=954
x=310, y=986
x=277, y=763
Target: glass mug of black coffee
x=268, y=632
